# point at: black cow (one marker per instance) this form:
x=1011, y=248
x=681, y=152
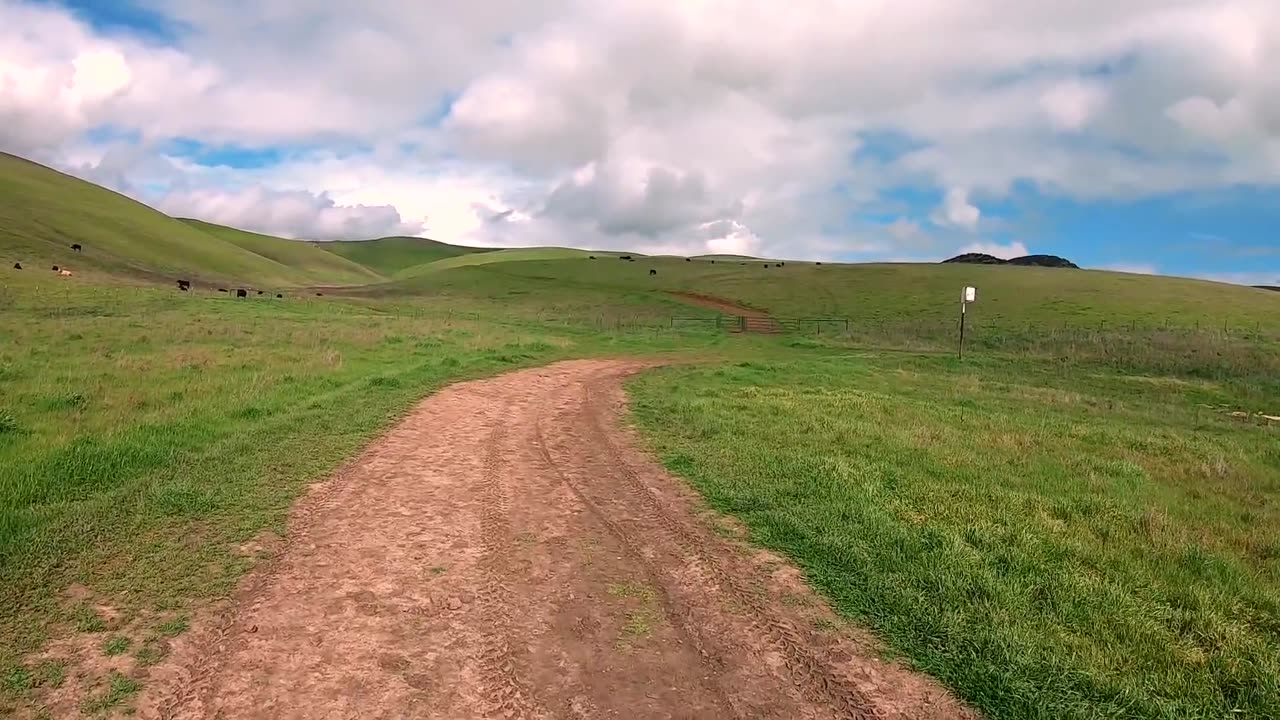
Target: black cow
x=688, y=259
x=259, y=292
x=184, y=285
x=76, y=247
x=624, y=257
x=591, y=257
x=652, y=271
x=319, y=294
x=766, y=265
x=222, y=289
x=17, y=266
x=242, y=293
x=818, y=263
x=781, y=264
x=279, y=295
x=56, y=268
x=713, y=262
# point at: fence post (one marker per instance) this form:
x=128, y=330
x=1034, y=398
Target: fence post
x=742, y=323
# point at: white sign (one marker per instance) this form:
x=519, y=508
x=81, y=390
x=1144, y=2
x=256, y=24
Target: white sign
x=970, y=294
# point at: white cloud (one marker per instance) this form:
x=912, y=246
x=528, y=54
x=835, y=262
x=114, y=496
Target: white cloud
x=1131, y=268
x=1012, y=250
x=290, y=213
x=956, y=211
x=1072, y=104
x=1242, y=278
x=905, y=231
x=618, y=123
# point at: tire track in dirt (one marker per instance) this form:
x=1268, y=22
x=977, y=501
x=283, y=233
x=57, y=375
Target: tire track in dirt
x=822, y=685
x=504, y=552
x=508, y=695
x=674, y=610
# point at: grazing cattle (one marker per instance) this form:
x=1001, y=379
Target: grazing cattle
x=688, y=259
x=76, y=247
x=184, y=285
x=713, y=262
x=781, y=264
x=319, y=294
x=222, y=289
x=652, y=271
x=766, y=265
x=64, y=273
x=819, y=263
x=259, y=292
x=56, y=268
x=242, y=293
x=624, y=257
x=17, y=266
x=591, y=257
x=279, y=295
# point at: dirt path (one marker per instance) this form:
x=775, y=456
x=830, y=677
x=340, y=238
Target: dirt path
x=753, y=321
x=505, y=553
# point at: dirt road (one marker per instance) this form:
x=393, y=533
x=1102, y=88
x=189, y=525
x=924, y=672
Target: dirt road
x=505, y=553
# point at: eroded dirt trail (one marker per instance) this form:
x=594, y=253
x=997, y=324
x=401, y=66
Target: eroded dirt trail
x=505, y=553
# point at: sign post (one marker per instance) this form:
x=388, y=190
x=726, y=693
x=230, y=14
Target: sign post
x=968, y=295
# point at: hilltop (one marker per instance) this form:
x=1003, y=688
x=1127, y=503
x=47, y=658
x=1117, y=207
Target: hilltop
x=1052, y=261
x=394, y=255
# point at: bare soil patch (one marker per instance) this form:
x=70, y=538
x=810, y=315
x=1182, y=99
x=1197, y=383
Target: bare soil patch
x=753, y=320
x=506, y=552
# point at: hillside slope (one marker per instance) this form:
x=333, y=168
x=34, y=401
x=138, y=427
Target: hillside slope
x=43, y=212
x=319, y=266
x=500, y=256
x=929, y=293
x=392, y=255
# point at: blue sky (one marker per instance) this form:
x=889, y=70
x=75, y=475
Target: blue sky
x=1138, y=136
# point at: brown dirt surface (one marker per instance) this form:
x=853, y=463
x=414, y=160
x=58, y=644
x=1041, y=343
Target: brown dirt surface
x=507, y=552
x=754, y=321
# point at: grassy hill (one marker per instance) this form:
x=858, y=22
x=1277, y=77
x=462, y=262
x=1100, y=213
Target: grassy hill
x=511, y=255
x=392, y=255
x=322, y=268
x=43, y=212
x=928, y=293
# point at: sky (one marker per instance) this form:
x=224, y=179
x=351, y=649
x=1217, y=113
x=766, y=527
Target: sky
x=1141, y=135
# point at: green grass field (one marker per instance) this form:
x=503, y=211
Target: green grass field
x=1051, y=542
x=146, y=434
x=1069, y=523
x=394, y=255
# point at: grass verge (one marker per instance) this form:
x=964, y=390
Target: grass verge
x=1050, y=541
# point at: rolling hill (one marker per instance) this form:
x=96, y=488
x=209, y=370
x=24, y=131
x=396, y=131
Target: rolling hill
x=43, y=212
x=323, y=268
x=926, y=293
x=393, y=255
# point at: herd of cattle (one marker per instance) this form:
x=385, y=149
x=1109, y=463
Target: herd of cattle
x=654, y=271
x=183, y=285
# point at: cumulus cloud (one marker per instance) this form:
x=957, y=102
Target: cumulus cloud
x=956, y=211
x=619, y=123
x=1012, y=250
x=289, y=213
